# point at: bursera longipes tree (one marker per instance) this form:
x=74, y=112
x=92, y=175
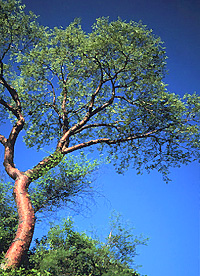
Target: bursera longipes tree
x=75, y=90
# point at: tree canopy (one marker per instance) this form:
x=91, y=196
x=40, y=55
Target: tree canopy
x=105, y=87
x=75, y=90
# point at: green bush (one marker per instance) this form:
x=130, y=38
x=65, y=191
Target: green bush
x=8, y=217
x=23, y=272
x=65, y=251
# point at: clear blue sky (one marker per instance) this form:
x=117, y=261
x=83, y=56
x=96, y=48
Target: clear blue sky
x=167, y=213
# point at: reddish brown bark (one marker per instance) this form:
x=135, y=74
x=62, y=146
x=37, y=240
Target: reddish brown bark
x=24, y=234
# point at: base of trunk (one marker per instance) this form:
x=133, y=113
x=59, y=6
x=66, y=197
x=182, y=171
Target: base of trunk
x=24, y=234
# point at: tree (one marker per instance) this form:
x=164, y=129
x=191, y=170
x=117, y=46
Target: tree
x=74, y=91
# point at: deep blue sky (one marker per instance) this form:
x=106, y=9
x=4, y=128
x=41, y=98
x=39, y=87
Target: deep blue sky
x=167, y=213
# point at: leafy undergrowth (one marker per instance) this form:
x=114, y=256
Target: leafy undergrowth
x=65, y=251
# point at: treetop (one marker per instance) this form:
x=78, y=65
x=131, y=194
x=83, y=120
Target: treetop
x=103, y=88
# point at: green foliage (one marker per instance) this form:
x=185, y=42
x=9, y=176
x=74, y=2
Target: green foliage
x=126, y=53
x=18, y=32
x=23, y=272
x=8, y=217
x=17, y=28
x=104, y=87
x=68, y=182
x=121, y=241
x=65, y=251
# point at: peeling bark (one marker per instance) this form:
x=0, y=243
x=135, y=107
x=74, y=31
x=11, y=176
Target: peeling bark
x=24, y=234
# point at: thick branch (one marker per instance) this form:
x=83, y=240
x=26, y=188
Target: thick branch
x=8, y=107
x=3, y=140
x=10, y=142
x=12, y=92
x=9, y=149
x=45, y=165
x=108, y=141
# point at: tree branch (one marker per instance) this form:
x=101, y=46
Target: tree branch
x=9, y=107
x=9, y=46
x=97, y=125
x=12, y=92
x=10, y=142
x=127, y=100
x=64, y=116
x=3, y=140
x=109, y=102
x=91, y=103
x=109, y=141
x=45, y=165
x=88, y=115
x=1, y=74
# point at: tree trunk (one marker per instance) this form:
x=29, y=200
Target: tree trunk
x=24, y=234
